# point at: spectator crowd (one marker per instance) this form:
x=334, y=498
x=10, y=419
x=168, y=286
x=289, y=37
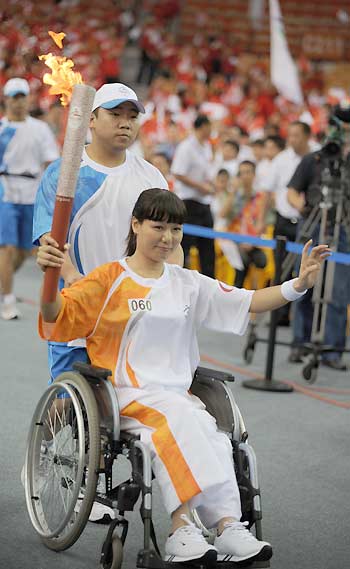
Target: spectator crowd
x=210, y=108
x=225, y=140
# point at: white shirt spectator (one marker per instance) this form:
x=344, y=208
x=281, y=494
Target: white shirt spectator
x=284, y=166
x=26, y=146
x=220, y=223
x=263, y=175
x=193, y=160
x=220, y=164
x=245, y=153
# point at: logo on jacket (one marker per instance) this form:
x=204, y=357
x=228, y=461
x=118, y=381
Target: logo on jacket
x=225, y=287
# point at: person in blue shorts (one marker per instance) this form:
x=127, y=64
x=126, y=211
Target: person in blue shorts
x=27, y=146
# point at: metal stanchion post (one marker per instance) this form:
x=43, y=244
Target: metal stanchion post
x=268, y=384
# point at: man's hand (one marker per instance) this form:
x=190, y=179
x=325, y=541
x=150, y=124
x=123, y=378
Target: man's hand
x=49, y=254
x=311, y=265
x=48, y=257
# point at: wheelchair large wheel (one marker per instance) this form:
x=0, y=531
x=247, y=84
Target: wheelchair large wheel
x=62, y=461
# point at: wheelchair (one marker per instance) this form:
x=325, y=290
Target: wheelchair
x=75, y=436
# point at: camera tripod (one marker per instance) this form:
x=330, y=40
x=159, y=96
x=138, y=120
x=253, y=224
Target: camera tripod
x=326, y=222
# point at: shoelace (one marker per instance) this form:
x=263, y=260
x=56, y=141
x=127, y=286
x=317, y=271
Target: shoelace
x=240, y=526
x=190, y=529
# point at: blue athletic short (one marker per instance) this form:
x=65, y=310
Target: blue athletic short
x=62, y=357
x=16, y=225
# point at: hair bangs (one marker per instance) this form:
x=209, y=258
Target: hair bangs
x=160, y=205
x=168, y=213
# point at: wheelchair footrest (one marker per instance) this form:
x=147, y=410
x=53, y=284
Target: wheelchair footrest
x=262, y=559
x=241, y=564
x=156, y=563
x=150, y=560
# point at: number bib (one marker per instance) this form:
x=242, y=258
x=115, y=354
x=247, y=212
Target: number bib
x=139, y=304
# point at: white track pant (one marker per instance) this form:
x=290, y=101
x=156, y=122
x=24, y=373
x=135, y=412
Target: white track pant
x=191, y=459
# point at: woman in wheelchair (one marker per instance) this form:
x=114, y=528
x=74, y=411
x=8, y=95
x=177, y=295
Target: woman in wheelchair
x=140, y=316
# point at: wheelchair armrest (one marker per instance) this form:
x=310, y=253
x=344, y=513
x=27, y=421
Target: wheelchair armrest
x=92, y=371
x=207, y=373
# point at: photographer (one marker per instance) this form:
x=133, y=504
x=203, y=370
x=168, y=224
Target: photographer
x=304, y=194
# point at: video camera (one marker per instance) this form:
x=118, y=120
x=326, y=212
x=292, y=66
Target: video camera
x=333, y=144
x=335, y=167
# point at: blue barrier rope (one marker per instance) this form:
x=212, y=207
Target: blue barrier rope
x=291, y=247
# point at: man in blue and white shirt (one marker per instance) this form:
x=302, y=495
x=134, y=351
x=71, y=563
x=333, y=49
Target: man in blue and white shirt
x=27, y=146
x=110, y=180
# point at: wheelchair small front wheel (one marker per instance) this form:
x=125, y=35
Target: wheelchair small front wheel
x=248, y=354
x=62, y=461
x=112, y=552
x=117, y=548
x=249, y=349
x=310, y=372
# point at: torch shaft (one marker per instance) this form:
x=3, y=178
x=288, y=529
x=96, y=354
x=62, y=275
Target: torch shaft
x=75, y=136
x=59, y=231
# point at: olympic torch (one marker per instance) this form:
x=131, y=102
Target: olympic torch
x=69, y=84
x=74, y=140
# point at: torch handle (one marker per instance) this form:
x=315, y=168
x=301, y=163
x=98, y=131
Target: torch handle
x=59, y=231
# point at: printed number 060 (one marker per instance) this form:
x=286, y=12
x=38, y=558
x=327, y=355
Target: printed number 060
x=141, y=305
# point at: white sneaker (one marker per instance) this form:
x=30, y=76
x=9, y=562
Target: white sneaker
x=236, y=543
x=187, y=543
x=9, y=310
x=100, y=512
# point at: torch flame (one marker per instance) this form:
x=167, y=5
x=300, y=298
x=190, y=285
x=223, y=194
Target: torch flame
x=57, y=38
x=62, y=77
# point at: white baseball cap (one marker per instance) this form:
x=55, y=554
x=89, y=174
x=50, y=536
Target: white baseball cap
x=15, y=87
x=111, y=95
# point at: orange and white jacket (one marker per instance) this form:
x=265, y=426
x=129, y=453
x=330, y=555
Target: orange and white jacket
x=144, y=330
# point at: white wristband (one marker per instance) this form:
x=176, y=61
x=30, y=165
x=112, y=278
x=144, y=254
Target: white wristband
x=288, y=291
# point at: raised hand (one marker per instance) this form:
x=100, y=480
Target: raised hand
x=311, y=265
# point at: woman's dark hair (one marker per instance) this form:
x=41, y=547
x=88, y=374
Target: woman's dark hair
x=156, y=205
